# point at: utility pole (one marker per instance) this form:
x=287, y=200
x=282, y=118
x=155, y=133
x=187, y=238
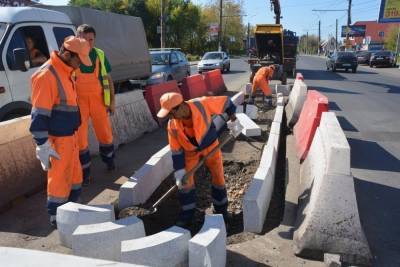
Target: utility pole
x=336, y=42
x=248, y=36
x=220, y=27
x=397, y=43
x=162, y=27
x=307, y=44
x=319, y=35
x=348, y=23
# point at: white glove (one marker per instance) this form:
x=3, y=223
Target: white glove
x=44, y=152
x=235, y=127
x=179, y=177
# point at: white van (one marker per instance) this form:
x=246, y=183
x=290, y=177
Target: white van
x=48, y=30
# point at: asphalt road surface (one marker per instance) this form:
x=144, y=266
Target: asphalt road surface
x=367, y=104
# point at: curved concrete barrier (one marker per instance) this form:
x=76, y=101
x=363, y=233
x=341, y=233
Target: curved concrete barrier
x=131, y=120
x=296, y=101
x=19, y=257
x=328, y=219
x=71, y=215
x=168, y=248
x=103, y=240
x=208, y=246
x=146, y=180
x=20, y=171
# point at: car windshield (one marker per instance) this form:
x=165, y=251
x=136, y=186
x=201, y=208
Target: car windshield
x=362, y=53
x=345, y=54
x=212, y=56
x=3, y=27
x=159, y=58
x=383, y=53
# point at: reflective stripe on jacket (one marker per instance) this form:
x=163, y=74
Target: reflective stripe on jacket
x=54, y=105
x=204, y=129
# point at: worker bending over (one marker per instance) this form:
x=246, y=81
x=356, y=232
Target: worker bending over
x=55, y=120
x=192, y=135
x=96, y=99
x=261, y=81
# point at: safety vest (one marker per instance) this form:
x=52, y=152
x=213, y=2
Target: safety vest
x=104, y=78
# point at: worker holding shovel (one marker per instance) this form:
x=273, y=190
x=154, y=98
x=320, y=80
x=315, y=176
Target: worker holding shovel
x=192, y=135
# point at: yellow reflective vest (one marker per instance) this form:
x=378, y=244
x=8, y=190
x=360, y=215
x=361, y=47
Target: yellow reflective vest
x=103, y=72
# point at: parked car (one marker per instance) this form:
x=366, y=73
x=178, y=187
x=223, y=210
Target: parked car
x=214, y=60
x=168, y=64
x=342, y=60
x=383, y=58
x=363, y=57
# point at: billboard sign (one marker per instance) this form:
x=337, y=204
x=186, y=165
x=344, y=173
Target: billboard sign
x=213, y=29
x=353, y=31
x=389, y=11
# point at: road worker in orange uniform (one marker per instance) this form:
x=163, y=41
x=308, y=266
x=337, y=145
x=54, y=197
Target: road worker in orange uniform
x=261, y=81
x=55, y=120
x=192, y=135
x=96, y=99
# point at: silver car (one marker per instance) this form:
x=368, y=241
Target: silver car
x=214, y=60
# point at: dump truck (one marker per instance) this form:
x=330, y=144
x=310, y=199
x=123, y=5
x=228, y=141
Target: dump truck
x=122, y=38
x=274, y=46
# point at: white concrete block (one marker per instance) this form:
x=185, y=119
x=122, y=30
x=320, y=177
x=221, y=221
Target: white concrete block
x=270, y=153
x=19, y=257
x=71, y=215
x=251, y=111
x=165, y=249
x=296, y=101
x=275, y=128
x=256, y=200
x=280, y=101
x=165, y=151
x=250, y=128
x=335, y=144
x=283, y=89
x=247, y=88
x=238, y=98
x=208, y=246
x=132, y=118
x=332, y=260
x=129, y=194
x=220, y=121
x=103, y=240
x=278, y=114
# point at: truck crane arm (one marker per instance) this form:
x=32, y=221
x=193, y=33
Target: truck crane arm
x=276, y=6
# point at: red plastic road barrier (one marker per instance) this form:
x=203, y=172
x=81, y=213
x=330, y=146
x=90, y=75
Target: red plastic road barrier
x=154, y=92
x=309, y=119
x=215, y=82
x=193, y=86
x=299, y=76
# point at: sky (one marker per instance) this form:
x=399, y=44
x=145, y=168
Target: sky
x=299, y=17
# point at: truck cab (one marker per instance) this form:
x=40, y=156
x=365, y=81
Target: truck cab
x=47, y=29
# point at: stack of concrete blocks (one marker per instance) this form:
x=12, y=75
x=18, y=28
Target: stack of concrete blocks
x=258, y=196
x=20, y=170
x=251, y=111
x=168, y=248
x=71, y=215
x=145, y=181
x=250, y=128
x=208, y=246
x=103, y=240
x=328, y=219
x=132, y=119
x=19, y=257
x=297, y=98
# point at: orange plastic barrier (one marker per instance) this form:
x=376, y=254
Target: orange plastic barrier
x=214, y=81
x=154, y=92
x=309, y=119
x=193, y=86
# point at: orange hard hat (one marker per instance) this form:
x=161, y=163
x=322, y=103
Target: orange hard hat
x=79, y=46
x=168, y=101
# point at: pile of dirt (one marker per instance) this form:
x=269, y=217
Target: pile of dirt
x=238, y=175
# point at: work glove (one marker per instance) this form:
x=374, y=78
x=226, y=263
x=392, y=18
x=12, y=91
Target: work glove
x=44, y=152
x=179, y=175
x=235, y=127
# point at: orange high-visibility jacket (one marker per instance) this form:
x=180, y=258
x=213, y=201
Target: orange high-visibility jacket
x=204, y=129
x=264, y=73
x=54, y=101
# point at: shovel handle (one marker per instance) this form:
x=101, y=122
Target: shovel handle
x=192, y=171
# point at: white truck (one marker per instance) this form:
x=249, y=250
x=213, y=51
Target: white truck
x=121, y=37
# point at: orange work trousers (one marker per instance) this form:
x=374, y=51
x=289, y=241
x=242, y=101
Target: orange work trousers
x=259, y=82
x=64, y=178
x=214, y=164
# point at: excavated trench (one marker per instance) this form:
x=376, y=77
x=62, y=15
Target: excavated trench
x=241, y=160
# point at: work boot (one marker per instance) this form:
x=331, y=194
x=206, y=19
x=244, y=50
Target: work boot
x=110, y=165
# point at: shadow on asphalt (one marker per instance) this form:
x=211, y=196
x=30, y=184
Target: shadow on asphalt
x=239, y=260
x=320, y=75
x=234, y=72
x=392, y=89
x=334, y=91
x=379, y=211
x=370, y=155
x=346, y=125
x=334, y=106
